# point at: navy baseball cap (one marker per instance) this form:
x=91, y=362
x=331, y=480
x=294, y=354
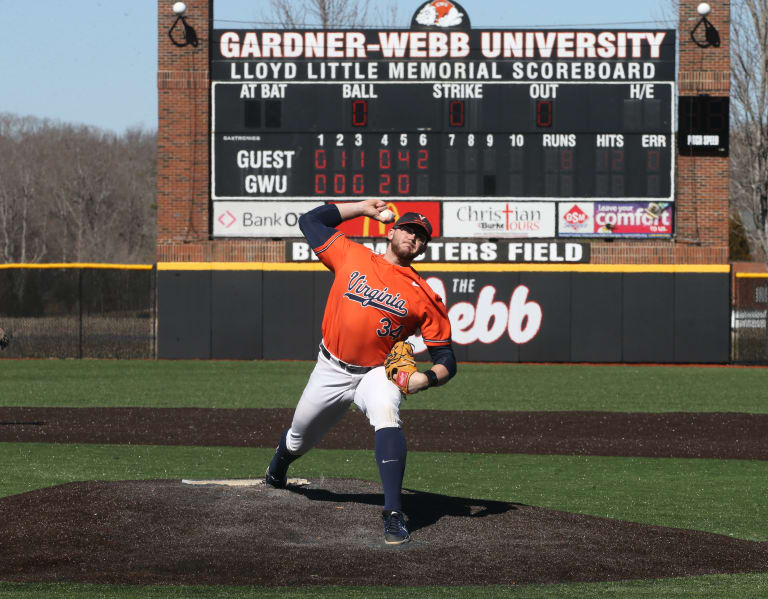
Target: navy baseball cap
x=414, y=218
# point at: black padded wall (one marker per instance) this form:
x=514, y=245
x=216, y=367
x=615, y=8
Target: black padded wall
x=497, y=316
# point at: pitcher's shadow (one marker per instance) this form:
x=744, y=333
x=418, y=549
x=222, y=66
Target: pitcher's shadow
x=422, y=508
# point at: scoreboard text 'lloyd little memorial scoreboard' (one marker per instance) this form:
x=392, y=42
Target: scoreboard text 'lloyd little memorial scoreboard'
x=491, y=133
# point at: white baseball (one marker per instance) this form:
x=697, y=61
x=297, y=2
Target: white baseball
x=386, y=216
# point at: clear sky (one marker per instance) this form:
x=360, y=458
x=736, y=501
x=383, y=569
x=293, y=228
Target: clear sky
x=95, y=61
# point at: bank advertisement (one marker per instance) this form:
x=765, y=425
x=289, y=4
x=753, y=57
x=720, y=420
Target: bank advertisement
x=259, y=219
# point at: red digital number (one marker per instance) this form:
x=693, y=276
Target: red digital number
x=358, y=185
x=423, y=159
x=613, y=160
x=403, y=184
x=384, y=182
x=544, y=112
x=321, y=184
x=343, y=159
x=566, y=160
x=654, y=159
x=607, y=160
x=456, y=113
x=385, y=159
x=320, y=159
x=404, y=157
x=358, y=159
x=339, y=184
x=618, y=160
x=359, y=113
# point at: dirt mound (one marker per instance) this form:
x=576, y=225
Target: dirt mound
x=166, y=532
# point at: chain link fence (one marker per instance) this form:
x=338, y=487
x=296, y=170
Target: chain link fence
x=749, y=323
x=78, y=311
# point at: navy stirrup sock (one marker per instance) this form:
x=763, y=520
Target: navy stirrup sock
x=390, y=457
x=278, y=467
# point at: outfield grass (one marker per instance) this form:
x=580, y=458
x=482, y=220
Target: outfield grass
x=230, y=384
x=720, y=496
x=743, y=586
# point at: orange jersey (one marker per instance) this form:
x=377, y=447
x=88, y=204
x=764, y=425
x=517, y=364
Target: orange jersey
x=372, y=304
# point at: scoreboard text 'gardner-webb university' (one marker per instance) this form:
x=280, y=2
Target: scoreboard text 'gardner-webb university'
x=559, y=126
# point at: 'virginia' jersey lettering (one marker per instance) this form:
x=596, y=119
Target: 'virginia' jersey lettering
x=360, y=291
x=373, y=303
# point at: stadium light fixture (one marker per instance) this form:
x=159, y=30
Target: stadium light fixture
x=188, y=34
x=711, y=36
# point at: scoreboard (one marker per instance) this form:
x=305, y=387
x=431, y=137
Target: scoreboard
x=466, y=120
x=582, y=140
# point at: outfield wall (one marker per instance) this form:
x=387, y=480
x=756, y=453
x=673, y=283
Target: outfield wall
x=499, y=313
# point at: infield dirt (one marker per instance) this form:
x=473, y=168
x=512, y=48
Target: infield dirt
x=329, y=533
x=682, y=435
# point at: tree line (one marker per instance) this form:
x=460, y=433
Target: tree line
x=74, y=193
x=749, y=122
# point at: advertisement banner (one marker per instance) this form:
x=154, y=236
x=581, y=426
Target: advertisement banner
x=615, y=219
x=499, y=219
x=259, y=219
x=367, y=227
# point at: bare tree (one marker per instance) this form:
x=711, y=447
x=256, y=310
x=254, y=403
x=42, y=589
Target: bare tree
x=22, y=221
x=749, y=117
x=324, y=14
x=669, y=13
x=76, y=193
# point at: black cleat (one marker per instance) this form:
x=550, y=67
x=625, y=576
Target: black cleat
x=395, y=531
x=274, y=482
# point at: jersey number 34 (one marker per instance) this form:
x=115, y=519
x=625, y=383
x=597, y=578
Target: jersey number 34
x=386, y=329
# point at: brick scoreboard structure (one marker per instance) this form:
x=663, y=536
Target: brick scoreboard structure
x=702, y=185
x=703, y=182
x=183, y=138
x=642, y=300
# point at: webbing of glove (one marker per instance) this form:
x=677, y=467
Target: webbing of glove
x=400, y=364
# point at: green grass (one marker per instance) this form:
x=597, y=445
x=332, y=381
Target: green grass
x=720, y=496
x=230, y=384
x=724, y=497
x=743, y=586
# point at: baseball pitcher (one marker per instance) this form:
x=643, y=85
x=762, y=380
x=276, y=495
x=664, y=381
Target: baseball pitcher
x=375, y=303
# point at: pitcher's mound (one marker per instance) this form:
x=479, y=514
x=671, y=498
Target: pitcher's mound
x=330, y=532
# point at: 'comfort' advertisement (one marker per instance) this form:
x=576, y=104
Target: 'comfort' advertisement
x=615, y=219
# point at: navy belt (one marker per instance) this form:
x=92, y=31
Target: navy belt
x=348, y=367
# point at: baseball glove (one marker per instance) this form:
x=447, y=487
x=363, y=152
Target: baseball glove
x=400, y=364
x=4, y=339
